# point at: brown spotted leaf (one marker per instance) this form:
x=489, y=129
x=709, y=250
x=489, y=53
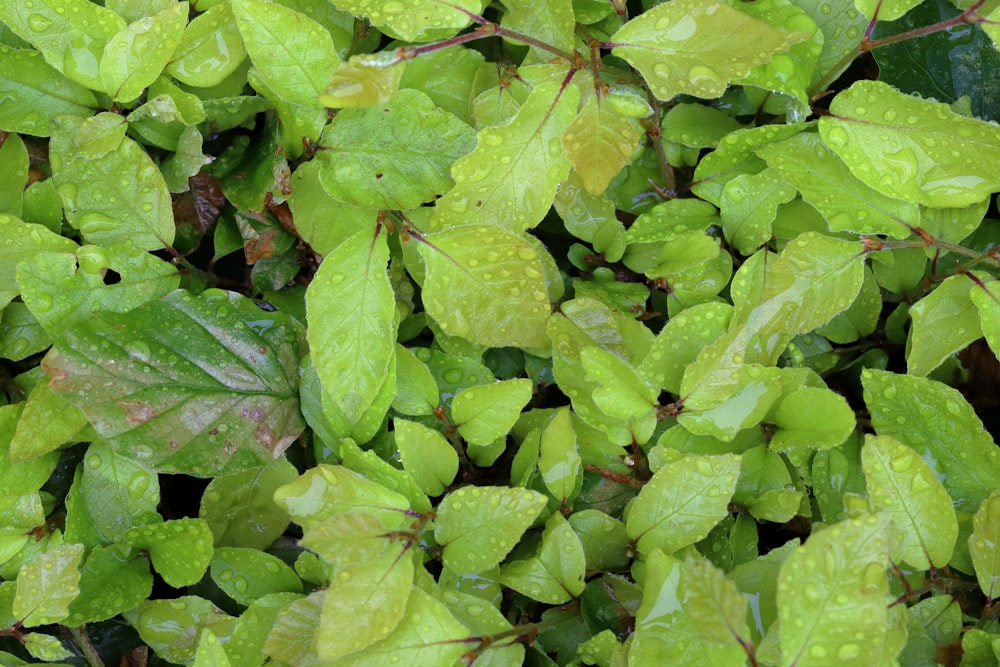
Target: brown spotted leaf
x=205, y=385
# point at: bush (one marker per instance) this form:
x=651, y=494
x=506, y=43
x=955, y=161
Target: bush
x=437, y=333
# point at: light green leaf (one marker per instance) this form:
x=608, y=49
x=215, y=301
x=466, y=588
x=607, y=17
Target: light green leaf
x=482, y=618
x=110, y=582
x=14, y=166
x=749, y=205
x=621, y=393
x=678, y=343
x=32, y=93
x=842, y=26
x=667, y=629
x=247, y=574
x=983, y=545
x=488, y=187
x=48, y=422
x=888, y=10
x=861, y=319
x=22, y=241
x=478, y=526
x=246, y=644
x=70, y=34
x=688, y=46
x=553, y=575
x=18, y=479
x=416, y=20
x=553, y=23
x=363, y=81
x=210, y=652
x=63, y=289
x=599, y=143
x=448, y=77
x=903, y=485
x=136, y=56
x=427, y=635
x=486, y=285
x=905, y=147
x=369, y=464
x=352, y=333
x=293, y=54
x=485, y=412
x=210, y=49
x=682, y=502
x=559, y=459
x=604, y=540
x=364, y=603
x=45, y=647
x=393, y=156
x=47, y=585
x=134, y=209
x=291, y=635
x=832, y=595
x=314, y=208
x=180, y=549
x=944, y=322
x=188, y=385
x=416, y=391
x=696, y=125
x=812, y=417
x=847, y=203
x=240, y=508
x=429, y=459
x=172, y=627
x=930, y=418
x=119, y=493
x=718, y=611
x=326, y=490
x=755, y=394
x=346, y=539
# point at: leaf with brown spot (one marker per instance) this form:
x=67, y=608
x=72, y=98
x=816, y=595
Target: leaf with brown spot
x=203, y=385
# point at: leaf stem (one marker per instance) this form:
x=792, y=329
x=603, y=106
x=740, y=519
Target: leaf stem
x=82, y=640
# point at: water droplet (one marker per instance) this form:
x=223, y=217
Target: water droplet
x=39, y=23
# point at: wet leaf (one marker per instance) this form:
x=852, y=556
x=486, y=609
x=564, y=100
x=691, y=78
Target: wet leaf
x=553, y=575
x=110, y=582
x=134, y=57
x=487, y=188
x=426, y=456
x=919, y=160
x=188, y=384
x=987, y=302
x=172, y=627
x=418, y=20
x=210, y=652
x=363, y=81
x=599, y=142
x=944, y=322
x=682, y=502
x=351, y=311
x=487, y=412
x=291, y=53
x=812, y=417
x=119, y=494
x=903, y=485
x=393, y=156
x=694, y=48
x=983, y=545
x=247, y=574
x=180, y=549
x=47, y=585
x=240, y=508
x=32, y=93
x=48, y=422
x=478, y=526
x=210, y=49
x=559, y=460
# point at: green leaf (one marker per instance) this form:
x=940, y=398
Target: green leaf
x=554, y=24
x=416, y=391
x=70, y=34
x=349, y=538
x=812, y=417
x=918, y=159
x=749, y=205
x=180, y=549
x=135, y=57
x=846, y=202
x=417, y=20
x=429, y=459
x=678, y=343
x=246, y=644
x=427, y=635
x=210, y=652
x=689, y=47
x=944, y=322
x=21, y=242
x=364, y=604
x=842, y=26
x=313, y=208
x=486, y=285
x=930, y=417
x=110, y=582
x=363, y=81
x=20, y=478
x=45, y=647
x=293, y=54
x=832, y=595
x=48, y=422
x=478, y=526
x=240, y=508
x=559, y=460
x=667, y=623
x=47, y=585
x=210, y=49
x=903, y=485
x=682, y=502
x=983, y=545
x=172, y=627
x=621, y=393
x=888, y=10
x=448, y=77
x=393, y=156
x=247, y=574
x=861, y=319
x=553, y=575
x=488, y=187
x=32, y=93
x=188, y=385
x=119, y=494
x=351, y=332
x=327, y=490
x=14, y=165
x=599, y=143
x=486, y=412
x=134, y=209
